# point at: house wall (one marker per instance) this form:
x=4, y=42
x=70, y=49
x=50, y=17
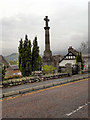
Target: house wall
x=62, y=63
x=16, y=72
x=10, y=72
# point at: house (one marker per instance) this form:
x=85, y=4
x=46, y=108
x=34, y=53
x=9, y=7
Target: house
x=70, y=57
x=6, y=64
x=11, y=70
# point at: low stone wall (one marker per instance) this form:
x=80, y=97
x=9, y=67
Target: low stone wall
x=26, y=80
x=44, y=86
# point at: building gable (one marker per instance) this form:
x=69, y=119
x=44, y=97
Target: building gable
x=69, y=56
x=4, y=62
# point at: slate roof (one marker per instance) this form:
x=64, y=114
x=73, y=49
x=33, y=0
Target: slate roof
x=14, y=67
x=71, y=49
x=3, y=60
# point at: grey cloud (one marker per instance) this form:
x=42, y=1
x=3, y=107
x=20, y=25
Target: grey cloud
x=68, y=26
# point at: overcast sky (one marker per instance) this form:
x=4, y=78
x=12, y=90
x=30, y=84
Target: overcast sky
x=68, y=23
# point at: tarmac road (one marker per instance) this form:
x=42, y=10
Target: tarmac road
x=20, y=87
x=64, y=101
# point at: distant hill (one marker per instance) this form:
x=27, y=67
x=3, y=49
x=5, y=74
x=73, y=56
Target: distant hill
x=13, y=57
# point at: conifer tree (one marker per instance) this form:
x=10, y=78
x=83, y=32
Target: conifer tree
x=36, y=59
x=39, y=63
x=22, y=56
x=80, y=59
x=28, y=59
x=20, y=48
x=25, y=57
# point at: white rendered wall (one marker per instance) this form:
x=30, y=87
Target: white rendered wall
x=62, y=63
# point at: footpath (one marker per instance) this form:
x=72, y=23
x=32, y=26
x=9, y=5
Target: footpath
x=21, y=89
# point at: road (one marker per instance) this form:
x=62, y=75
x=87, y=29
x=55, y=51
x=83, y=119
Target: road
x=20, y=87
x=64, y=101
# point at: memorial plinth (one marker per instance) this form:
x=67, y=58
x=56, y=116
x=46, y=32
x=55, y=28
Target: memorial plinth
x=48, y=59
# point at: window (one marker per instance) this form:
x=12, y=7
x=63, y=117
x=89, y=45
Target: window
x=70, y=53
x=69, y=57
x=66, y=57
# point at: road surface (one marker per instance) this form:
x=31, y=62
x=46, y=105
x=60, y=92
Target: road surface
x=64, y=101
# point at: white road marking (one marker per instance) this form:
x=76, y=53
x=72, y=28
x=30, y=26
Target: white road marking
x=80, y=107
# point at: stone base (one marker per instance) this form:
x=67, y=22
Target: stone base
x=47, y=54
x=47, y=60
x=50, y=61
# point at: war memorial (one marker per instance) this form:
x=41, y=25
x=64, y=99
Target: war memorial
x=48, y=59
x=66, y=63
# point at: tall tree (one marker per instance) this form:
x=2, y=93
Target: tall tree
x=36, y=59
x=25, y=57
x=28, y=59
x=79, y=59
x=20, y=49
x=39, y=63
x=84, y=47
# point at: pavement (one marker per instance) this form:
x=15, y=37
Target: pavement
x=21, y=87
x=68, y=100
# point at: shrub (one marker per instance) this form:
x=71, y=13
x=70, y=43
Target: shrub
x=48, y=69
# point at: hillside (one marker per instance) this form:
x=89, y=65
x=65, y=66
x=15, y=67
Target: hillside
x=13, y=57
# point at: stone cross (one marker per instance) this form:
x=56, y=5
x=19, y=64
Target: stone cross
x=47, y=52
x=47, y=20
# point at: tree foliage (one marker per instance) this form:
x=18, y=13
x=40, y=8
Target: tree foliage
x=36, y=59
x=79, y=59
x=29, y=60
x=48, y=69
x=25, y=57
x=20, y=49
x=2, y=71
x=13, y=62
x=83, y=47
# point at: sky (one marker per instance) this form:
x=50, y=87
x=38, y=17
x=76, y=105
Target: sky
x=68, y=23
